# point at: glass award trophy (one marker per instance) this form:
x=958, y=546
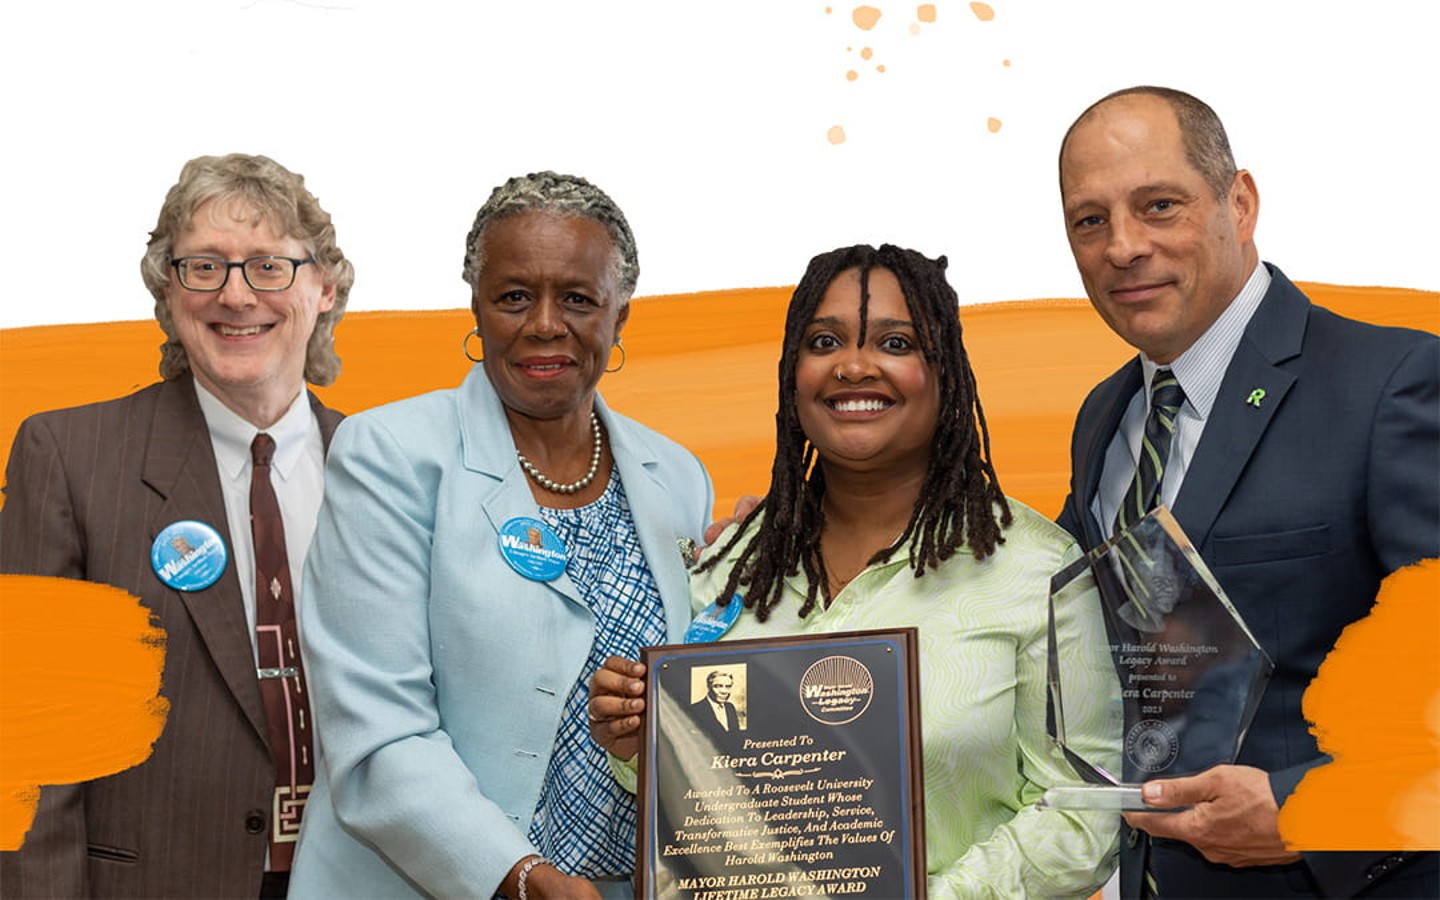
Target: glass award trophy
x=1191, y=673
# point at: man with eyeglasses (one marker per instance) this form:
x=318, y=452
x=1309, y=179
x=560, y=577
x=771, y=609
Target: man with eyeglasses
x=164, y=494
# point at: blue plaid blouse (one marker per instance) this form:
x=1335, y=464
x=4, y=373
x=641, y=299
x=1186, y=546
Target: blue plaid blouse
x=585, y=821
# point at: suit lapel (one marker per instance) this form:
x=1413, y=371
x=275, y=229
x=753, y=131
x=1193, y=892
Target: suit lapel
x=1111, y=399
x=1236, y=424
x=180, y=466
x=488, y=450
x=637, y=462
x=327, y=418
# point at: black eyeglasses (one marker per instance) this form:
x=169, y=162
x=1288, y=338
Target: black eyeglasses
x=262, y=273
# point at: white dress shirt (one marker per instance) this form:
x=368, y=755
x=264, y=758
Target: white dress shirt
x=297, y=473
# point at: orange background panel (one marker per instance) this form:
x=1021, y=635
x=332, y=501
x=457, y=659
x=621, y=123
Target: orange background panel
x=701, y=369
x=79, y=678
x=1377, y=711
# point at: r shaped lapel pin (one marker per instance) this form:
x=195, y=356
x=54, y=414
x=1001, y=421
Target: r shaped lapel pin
x=1255, y=397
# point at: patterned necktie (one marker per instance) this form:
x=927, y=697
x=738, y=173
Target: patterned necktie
x=282, y=680
x=1165, y=400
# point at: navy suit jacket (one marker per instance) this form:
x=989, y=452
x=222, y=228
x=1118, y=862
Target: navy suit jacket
x=702, y=715
x=1300, y=506
x=87, y=490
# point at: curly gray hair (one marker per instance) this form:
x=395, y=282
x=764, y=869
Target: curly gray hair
x=278, y=196
x=564, y=195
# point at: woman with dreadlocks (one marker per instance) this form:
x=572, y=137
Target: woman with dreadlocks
x=884, y=511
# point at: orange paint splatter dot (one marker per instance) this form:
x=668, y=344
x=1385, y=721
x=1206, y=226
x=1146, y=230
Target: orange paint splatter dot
x=925, y=12
x=865, y=17
x=880, y=68
x=1006, y=63
x=81, y=667
x=851, y=75
x=914, y=27
x=866, y=53
x=827, y=10
x=836, y=135
x=982, y=11
x=993, y=124
x=1372, y=704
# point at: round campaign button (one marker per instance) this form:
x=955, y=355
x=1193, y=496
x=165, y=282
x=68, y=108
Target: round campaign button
x=713, y=621
x=532, y=549
x=188, y=555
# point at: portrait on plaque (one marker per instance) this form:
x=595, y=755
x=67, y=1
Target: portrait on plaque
x=719, y=704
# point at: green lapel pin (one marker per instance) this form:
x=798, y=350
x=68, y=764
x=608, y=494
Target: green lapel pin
x=1255, y=397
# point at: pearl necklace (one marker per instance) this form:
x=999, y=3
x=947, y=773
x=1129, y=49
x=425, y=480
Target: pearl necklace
x=573, y=486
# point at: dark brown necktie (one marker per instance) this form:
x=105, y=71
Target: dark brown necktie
x=282, y=679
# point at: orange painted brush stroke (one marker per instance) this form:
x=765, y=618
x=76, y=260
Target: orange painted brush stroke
x=1376, y=709
x=1034, y=361
x=79, y=693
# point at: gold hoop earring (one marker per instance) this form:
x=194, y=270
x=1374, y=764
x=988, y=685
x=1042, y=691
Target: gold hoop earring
x=621, y=347
x=465, y=345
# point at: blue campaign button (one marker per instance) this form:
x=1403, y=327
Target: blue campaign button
x=532, y=549
x=188, y=555
x=714, y=620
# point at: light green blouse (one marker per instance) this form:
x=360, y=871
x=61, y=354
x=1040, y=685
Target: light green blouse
x=987, y=758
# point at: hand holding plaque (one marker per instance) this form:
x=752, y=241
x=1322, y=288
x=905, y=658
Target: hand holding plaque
x=812, y=789
x=1191, y=674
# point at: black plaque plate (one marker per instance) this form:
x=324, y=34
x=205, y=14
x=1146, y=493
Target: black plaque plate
x=817, y=789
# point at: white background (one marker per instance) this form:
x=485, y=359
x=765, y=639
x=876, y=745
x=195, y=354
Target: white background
x=707, y=122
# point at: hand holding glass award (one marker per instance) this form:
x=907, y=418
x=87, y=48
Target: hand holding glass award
x=1191, y=673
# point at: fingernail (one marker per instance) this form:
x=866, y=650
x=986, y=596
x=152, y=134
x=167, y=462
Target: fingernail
x=1152, y=791
x=637, y=686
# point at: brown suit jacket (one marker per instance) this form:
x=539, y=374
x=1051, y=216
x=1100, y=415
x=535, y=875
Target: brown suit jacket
x=87, y=490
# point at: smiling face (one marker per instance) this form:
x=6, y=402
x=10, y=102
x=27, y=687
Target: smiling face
x=246, y=347
x=549, y=311
x=1160, y=254
x=868, y=403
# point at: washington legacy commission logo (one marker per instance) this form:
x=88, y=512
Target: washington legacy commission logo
x=836, y=690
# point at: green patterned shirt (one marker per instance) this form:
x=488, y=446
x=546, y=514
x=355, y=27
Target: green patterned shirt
x=987, y=757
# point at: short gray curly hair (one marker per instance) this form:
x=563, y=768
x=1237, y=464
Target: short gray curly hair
x=278, y=196
x=562, y=195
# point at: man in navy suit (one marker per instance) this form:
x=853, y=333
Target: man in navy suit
x=1303, y=465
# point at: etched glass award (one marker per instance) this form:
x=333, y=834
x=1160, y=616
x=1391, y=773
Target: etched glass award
x=1191, y=673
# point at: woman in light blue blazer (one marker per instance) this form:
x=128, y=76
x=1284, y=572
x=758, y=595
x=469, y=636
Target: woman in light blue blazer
x=479, y=553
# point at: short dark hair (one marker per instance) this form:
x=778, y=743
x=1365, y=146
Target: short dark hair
x=1207, y=147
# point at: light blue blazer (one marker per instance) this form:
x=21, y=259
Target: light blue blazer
x=437, y=674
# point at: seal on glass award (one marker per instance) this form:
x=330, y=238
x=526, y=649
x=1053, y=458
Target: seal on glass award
x=1152, y=745
x=836, y=690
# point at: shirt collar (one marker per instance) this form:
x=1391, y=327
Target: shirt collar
x=232, y=435
x=1202, y=366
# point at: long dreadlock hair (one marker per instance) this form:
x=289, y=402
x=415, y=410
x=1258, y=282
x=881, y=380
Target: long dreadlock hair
x=961, y=495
